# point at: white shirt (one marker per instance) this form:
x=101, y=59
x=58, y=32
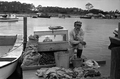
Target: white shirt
x=76, y=36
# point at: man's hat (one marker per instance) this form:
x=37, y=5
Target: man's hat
x=78, y=23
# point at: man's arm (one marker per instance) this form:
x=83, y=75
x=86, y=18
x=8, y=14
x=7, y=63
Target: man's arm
x=81, y=36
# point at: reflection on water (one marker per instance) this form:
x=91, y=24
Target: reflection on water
x=97, y=36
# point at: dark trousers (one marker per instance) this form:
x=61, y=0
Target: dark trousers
x=79, y=53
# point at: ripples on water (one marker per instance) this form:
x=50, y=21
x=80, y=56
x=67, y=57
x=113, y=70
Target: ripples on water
x=97, y=31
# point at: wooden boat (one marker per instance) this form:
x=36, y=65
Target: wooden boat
x=10, y=51
x=43, y=15
x=63, y=16
x=85, y=17
x=8, y=18
x=34, y=16
x=55, y=27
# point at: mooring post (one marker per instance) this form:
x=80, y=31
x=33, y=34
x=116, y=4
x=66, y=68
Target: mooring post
x=115, y=56
x=24, y=32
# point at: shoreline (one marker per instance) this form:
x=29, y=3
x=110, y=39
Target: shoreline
x=30, y=15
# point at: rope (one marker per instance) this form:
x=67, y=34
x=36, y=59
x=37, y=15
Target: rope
x=16, y=47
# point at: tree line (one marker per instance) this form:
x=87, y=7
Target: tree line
x=14, y=7
x=18, y=7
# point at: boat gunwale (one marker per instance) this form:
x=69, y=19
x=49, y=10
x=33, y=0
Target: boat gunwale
x=15, y=60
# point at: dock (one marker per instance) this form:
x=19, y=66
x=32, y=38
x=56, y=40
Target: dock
x=30, y=72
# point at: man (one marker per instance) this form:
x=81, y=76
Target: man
x=77, y=38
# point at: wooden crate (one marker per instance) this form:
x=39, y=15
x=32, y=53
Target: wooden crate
x=41, y=31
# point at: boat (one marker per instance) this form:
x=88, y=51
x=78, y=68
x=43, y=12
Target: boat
x=43, y=15
x=10, y=51
x=8, y=18
x=55, y=27
x=63, y=16
x=34, y=16
x=85, y=17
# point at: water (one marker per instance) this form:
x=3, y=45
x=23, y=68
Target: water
x=97, y=32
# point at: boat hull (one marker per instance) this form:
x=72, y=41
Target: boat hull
x=8, y=69
x=44, y=16
x=8, y=19
x=9, y=57
x=85, y=17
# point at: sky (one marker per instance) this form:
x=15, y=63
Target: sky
x=105, y=5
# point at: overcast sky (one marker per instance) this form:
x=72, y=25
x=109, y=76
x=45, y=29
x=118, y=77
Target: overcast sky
x=105, y=5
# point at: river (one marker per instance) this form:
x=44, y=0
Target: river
x=97, y=32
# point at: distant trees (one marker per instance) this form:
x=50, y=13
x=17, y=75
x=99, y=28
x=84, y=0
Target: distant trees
x=39, y=8
x=17, y=7
x=95, y=11
x=89, y=6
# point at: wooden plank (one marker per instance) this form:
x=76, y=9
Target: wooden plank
x=54, y=32
x=53, y=46
x=101, y=62
x=37, y=67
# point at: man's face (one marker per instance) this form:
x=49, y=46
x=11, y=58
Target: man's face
x=78, y=26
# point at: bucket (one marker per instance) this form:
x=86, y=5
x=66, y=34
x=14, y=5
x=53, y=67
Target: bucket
x=77, y=62
x=62, y=59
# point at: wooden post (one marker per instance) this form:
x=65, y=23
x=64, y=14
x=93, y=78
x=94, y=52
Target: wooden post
x=25, y=32
x=119, y=30
x=115, y=63
x=115, y=56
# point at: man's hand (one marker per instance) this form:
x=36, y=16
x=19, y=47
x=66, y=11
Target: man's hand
x=83, y=43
